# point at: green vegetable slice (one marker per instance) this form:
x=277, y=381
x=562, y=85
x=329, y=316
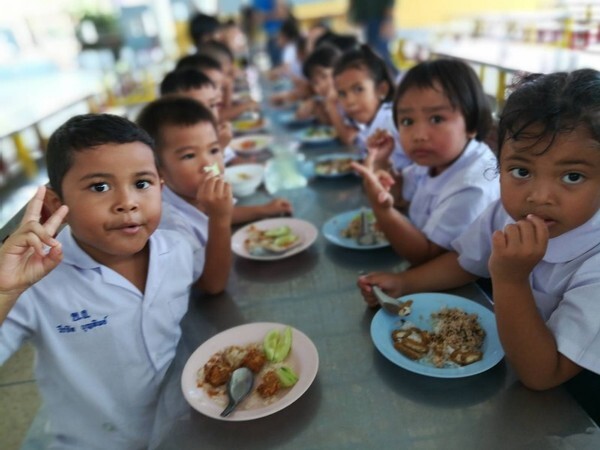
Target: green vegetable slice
x=277, y=345
x=287, y=377
x=278, y=231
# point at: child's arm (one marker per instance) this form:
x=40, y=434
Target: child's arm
x=216, y=200
x=406, y=239
x=528, y=343
x=23, y=260
x=439, y=274
x=347, y=134
x=276, y=207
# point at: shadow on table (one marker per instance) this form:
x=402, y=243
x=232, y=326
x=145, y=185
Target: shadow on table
x=274, y=431
x=384, y=259
x=277, y=270
x=441, y=392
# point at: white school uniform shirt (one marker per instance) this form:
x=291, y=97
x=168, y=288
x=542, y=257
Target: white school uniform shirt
x=103, y=347
x=384, y=119
x=443, y=206
x=179, y=215
x=565, y=283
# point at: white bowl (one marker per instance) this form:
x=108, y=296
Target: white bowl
x=244, y=178
x=251, y=144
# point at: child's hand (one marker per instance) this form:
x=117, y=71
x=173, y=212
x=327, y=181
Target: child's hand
x=381, y=145
x=225, y=134
x=377, y=183
x=214, y=197
x=23, y=259
x=388, y=282
x=305, y=110
x=517, y=249
x=277, y=207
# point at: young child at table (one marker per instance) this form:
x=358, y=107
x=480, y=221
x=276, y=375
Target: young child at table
x=365, y=89
x=443, y=116
x=540, y=241
x=186, y=143
x=213, y=69
x=197, y=85
x=318, y=69
x=97, y=306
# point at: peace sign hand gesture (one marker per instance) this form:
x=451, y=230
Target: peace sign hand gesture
x=23, y=258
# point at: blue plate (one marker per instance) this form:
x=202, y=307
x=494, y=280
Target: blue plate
x=332, y=230
x=333, y=157
x=288, y=118
x=423, y=305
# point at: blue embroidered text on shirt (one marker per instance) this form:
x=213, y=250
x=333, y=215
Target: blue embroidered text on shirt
x=80, y=315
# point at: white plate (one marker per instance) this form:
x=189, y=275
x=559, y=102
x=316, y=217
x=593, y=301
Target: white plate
x=303, y=357
x=245, y=126
x=251, y=145
x=423, y=305
x=306, y=230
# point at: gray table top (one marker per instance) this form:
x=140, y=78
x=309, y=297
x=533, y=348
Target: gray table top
x=359, y=399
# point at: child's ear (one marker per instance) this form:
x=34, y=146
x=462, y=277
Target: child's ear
x=52, y=202
x=383, y=88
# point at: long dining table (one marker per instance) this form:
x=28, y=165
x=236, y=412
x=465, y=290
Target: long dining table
x=358, y=399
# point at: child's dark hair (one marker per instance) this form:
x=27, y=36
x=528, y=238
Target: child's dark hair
x=543, y=106
x=216, y=50
x=86, y=132
x=324, y=56
x=289, y=29
x=202, y=26
x=198, y=62
x=344, y=42
x=363, y=58
x=172, y=110
x=184, y=80
x=459, y=83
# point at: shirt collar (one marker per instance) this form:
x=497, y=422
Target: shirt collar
x=574, y=243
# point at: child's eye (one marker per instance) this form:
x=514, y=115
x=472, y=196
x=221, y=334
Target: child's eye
x=188, y=156
x=573, y=178
x=405, y=121
x=142, y=184
x=358, y=89
x=436, y=119
x=215, y=151
x=341, y=94
x=519, y=172
x=99, y=187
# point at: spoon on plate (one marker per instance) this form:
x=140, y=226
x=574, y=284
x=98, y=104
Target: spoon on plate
x=239, y=386
x=388, y=303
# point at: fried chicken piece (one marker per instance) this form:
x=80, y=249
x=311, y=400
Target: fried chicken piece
x=254, y=360
x=217, y=372
x=269, y=386
x=465, y=357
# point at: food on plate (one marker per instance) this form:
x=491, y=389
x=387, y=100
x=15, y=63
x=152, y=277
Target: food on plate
x=320, y=133
x=273, y=377
x=456, y=339
x=277, y=345
x=334, y=166
x=248, y=124
x=214, y=168
x=354, y=229
x=273, y=240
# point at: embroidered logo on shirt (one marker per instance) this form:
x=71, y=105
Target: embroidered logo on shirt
x=79, y=317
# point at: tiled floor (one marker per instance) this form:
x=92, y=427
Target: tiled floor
x=19, y=398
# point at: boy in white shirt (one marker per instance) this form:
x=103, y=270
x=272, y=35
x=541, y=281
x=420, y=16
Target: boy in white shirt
x=97, y=307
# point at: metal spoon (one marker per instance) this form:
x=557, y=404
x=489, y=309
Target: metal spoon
x=388, y=303
x=239, y=386
x=365, y=237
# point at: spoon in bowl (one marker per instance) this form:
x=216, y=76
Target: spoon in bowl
x=239, y=386
x=390, y=304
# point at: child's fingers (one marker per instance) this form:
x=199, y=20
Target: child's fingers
x=33, y=211
x=55, y=220
x=542, y=233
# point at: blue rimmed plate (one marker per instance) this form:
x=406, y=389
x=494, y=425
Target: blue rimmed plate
x=423, y=305
x=317, y=135
x=332, y=230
